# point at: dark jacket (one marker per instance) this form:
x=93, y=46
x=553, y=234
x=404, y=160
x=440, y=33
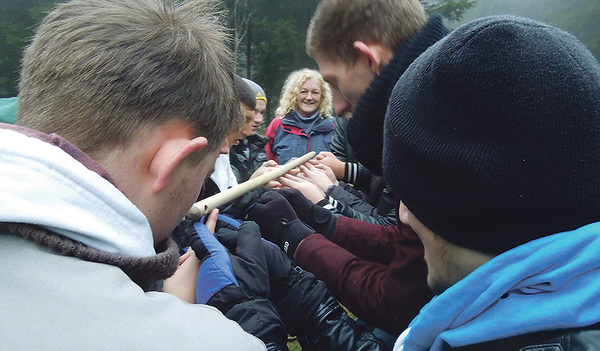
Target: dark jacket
x=356, y=174
x=582, y=339
x=367, y=120
x=368, y=199
x=248, y=156
x=315, y=316
x=377, y=272
x=287, y=140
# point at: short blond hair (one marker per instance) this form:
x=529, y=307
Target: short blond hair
x=337, y=24
x=291, y=88
x=100, y=72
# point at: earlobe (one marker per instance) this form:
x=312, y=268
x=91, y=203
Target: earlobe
x=173, y=153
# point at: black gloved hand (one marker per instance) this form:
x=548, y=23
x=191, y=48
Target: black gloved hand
x=278, y=222
x=306, y=306
x=278, y=264
x=319, y=218
x=240, y=206
x=294, y=292
x=237, y=283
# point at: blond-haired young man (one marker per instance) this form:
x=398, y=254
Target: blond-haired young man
x=362, y=47
x=123, y=106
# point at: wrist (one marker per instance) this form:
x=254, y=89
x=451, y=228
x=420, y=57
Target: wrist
x=340, y=171
x=298, y=247
x=351, y=171
x=291, y=236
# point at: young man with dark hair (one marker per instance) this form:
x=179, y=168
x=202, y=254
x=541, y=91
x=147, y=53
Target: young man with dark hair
x=492, y=142
x=362, y=47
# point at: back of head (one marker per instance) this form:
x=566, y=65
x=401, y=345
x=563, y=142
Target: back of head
x=492, y=136
x=244, y=92
x=337, y=24
x=291, y=88
x=258, y=91
x=99, y=72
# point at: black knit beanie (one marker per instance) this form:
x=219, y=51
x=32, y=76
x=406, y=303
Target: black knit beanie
x=492, y=136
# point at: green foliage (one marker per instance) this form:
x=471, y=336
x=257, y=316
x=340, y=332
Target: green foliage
x=275, y=46
x=269, y=35
x=18, y=20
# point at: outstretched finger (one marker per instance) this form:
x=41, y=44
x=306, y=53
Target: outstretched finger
x=289, y=181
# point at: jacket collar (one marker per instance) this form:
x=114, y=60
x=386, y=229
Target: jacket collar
x=367, y=121
x=46, y=181
x=322, y=124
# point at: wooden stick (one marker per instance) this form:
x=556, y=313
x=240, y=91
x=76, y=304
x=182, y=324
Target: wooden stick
x=204, y=206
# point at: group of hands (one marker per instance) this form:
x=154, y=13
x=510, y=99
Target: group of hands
x=236, y=268
x=312, y=178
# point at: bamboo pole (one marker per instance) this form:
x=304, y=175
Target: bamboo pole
x=204, y=206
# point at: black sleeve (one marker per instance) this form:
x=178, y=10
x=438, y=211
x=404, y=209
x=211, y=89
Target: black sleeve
x=342, y=202
x=338, y=145
x=312, y=313
x=359, y=176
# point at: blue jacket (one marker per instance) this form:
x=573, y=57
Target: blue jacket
x=287, y=140
x=548, y=284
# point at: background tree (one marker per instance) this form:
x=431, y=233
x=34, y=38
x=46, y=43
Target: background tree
x=452, y=10
x=274, y=42
x=269, y=35
x=18, y=19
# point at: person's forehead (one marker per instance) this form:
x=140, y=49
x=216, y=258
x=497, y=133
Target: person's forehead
x=311, y=83
x=261, y=105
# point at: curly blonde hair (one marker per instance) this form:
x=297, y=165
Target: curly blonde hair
x=291, y=88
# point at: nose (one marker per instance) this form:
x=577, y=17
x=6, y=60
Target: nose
x=258, y=117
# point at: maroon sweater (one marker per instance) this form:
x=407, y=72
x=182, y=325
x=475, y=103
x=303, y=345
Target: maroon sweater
x=377, y=272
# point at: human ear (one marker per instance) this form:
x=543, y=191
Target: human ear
x=170, y=155
x=376, y=55
x=366, y=51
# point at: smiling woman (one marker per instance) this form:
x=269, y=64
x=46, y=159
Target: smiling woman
x=304, y=117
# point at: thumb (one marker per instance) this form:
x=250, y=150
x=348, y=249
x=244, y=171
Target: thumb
x=204, y=242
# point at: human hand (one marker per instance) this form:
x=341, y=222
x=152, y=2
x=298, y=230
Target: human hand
x=278, y=222
x=278, y=263
x=215, y=271
x=240, y=206
x=320, y=175
x=329, y=159
x=264, y=168
x=243, y=298
x=292, y=290
x=183, y=283
x=329, y=172
x=308, y=189
x=320, y=219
